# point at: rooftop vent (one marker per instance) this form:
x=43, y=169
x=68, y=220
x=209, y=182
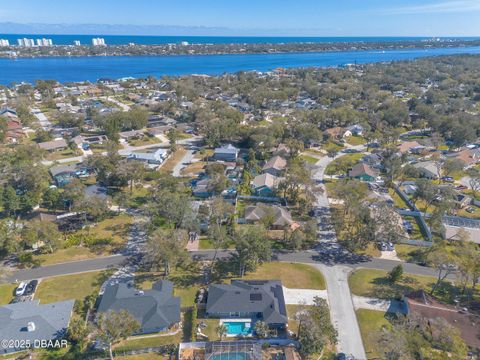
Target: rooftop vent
x=31, y=326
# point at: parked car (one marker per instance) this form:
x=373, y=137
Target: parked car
x=341, y=356
x=31, y=287
x=470, y=210
x=448, y=179
x=407, y=225
x=21, y=288
x=350, y=151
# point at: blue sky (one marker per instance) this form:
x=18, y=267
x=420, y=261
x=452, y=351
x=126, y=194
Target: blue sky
x=263, y=17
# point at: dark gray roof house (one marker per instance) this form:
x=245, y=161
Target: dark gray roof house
x=255, y=299
x=29, y=321
x=156, y=309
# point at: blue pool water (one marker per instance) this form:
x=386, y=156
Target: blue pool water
x=231, y=356
x=238, y=328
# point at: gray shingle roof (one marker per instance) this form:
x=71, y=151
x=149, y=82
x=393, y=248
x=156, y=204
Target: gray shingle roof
x=51, y=321
x=154, y=309
x=249, y=296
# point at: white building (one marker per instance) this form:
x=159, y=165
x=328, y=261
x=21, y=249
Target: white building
x=44, y=42
x=26, y=42
x=4, y=42
x=98, y=42
x=77, y=43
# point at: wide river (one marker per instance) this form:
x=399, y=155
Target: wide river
x=67, y=69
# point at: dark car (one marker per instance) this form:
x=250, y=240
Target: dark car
x=31, y=287
x=341, y=356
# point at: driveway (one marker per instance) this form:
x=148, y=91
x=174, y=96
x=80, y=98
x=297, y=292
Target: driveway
x=392, y=306
x=302, y=296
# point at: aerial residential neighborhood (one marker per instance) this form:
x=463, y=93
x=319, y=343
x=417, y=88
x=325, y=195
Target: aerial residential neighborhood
x=240, y=197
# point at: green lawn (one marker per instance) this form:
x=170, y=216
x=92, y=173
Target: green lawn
x=6, y=293
x=74, y=253
x=375, y=283
x=410, y=253
x=356, y=140
x=206, y=244
x=210, y=330
x=76, y=286
x=146, y=342
x=309, y=159
x=342, y=164
x=371, y=323
x=300, y=276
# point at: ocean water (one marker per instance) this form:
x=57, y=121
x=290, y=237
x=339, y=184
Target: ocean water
x=150, y=40
x=66, y=69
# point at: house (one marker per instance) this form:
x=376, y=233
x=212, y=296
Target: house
x=468, y=157
x=280, y=216
x=30, y=322
x=363, y=172
x=337, y=133
x=156, y=309
x=462, y=200
x=251, y=299
x=14, y=130
x=421, y=304
x=406, y=146
x=63, y=174
x=427, y=169
x=226, y=153
x=131, y=135
x=203, y=188
x=151, y=159
x=356, y=129
x=275, y=165
x=54, y=145
x=265, y=184
x=373, y=160
x=281, y=150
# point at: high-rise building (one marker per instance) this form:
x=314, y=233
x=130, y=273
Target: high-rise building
x=4, y=42
x=98, y=42
x=26, y=42
x=44, y=42
x=77, y=43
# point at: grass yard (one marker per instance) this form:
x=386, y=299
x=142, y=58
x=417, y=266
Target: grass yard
x=67, y=287
x=299, y=276
x=356, y=140
x=146, y=342
x=57, y=155
x=173, y=160
x=146, y=140
x=75, y=253
x=309, y=159
x=211, y=330
x=371, y=323
x=375, y=283
x=342, y=164
x=6, y=293
x=151, y=356
x=116, y=227
x=194, y=168
x=411, y=253
x=206, y=244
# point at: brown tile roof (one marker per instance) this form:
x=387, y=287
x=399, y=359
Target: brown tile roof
x=277, y=162
x=362, y=168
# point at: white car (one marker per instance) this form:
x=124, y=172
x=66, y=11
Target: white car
x=21, y=288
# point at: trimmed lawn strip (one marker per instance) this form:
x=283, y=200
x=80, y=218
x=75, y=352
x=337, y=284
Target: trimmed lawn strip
x=66, y=287
x=374, y=283
x=6, y=293
x=371, y=323
x=356, y=140
x=295, y=276
x=147, y=342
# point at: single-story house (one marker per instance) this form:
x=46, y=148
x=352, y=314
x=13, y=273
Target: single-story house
x=337, y=133
x=406, y=146
x=54, y=145
x=156, y=309
x=462, y=200
x=253, y=299
x=132, y=134
x=421, y=304
x=63, y=174
x=152, y=159
x=265, y=184
x=281, y=150
x=363, y=172
x=281, y=217
x=30, y=322
x=356, y=129
x=427, y=169
x=468, y=157
x=203, y=188
x=226, y=153
x=275, y=165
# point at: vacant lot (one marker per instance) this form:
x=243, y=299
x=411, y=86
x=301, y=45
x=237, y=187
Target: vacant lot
x=371, y=323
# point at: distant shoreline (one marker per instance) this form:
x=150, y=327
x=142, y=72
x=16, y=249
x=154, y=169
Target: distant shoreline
x=225, y=49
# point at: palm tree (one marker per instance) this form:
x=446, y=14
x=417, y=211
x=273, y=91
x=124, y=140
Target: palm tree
x=221, y=331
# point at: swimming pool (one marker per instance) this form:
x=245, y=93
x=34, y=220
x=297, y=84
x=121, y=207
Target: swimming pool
x=235, y=328
x=231, y=356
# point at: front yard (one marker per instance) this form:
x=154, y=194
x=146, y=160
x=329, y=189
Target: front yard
x=372, y=323
x=6, y=293
x=67, y=287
